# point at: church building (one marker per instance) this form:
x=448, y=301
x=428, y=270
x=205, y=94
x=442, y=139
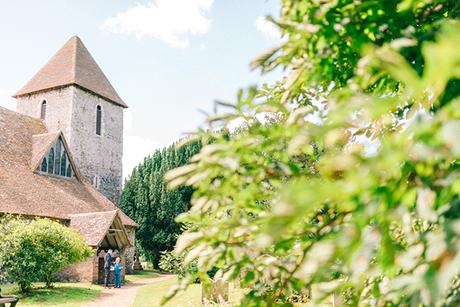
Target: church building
x=61, y=156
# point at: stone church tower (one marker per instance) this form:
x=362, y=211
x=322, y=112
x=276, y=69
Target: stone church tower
x=72, y=94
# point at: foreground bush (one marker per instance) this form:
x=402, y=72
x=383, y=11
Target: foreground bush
x=172, y=263
x=35, y=250
x=354, y=188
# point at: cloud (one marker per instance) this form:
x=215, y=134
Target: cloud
x=6, y=100
x=171, y=21
x=267, y=28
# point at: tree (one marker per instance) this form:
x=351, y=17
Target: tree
x=35, y=250
x=296, y=206
x=146, y=199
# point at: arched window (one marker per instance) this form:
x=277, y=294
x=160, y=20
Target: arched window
x=69, y=171
x=63, y=162
x=51, y=161
x=57, y=163
x=98, y=119
x=44, y=167
x=43, y=110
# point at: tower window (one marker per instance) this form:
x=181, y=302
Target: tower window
x=43, y=110
x=98, y=119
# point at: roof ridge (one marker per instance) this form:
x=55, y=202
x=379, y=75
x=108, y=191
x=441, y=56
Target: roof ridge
x=91, y=213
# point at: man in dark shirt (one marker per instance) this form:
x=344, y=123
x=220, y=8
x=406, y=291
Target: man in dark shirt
x=107, y=265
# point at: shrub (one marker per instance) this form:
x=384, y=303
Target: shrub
x=35, y=250
x=376, y=225
x=172, y=263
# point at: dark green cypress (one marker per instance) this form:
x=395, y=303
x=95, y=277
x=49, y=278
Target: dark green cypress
x=147, y=200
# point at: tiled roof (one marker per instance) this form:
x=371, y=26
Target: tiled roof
x=41, y=143
x=72, y=65
x=93, y=226
x=25, y=192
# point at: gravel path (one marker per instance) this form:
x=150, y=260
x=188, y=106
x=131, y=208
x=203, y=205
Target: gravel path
x=125, y=296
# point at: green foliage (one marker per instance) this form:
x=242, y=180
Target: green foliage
x=147, y=200
x=289, y=206
x=35, y=250
x=172, y=263
x=325, y=39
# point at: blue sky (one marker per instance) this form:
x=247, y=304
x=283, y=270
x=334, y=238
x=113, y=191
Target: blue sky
x=166, y=58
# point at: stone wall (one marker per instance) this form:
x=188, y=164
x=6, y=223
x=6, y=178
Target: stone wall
x=128, y=253
x=101, y=271
x=98, y=155
x=86, y=271
x=58, y=108
x=89, y=270
x=72, y=110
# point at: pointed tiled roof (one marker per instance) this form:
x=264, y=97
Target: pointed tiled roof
x=94, y=226
x=41, y=144
x=72, y=65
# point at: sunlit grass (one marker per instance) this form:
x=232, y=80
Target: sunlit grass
x=141, y=275
x=150, y=295
x=62, y=294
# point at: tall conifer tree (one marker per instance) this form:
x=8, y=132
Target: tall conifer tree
x=147, y=200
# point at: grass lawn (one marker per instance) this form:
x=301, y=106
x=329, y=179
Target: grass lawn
x=63, y=294
x=150, y=295
x=140, y=275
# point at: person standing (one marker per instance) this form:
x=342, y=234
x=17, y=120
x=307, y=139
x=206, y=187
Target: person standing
x=107, y=265
x=117, y=270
